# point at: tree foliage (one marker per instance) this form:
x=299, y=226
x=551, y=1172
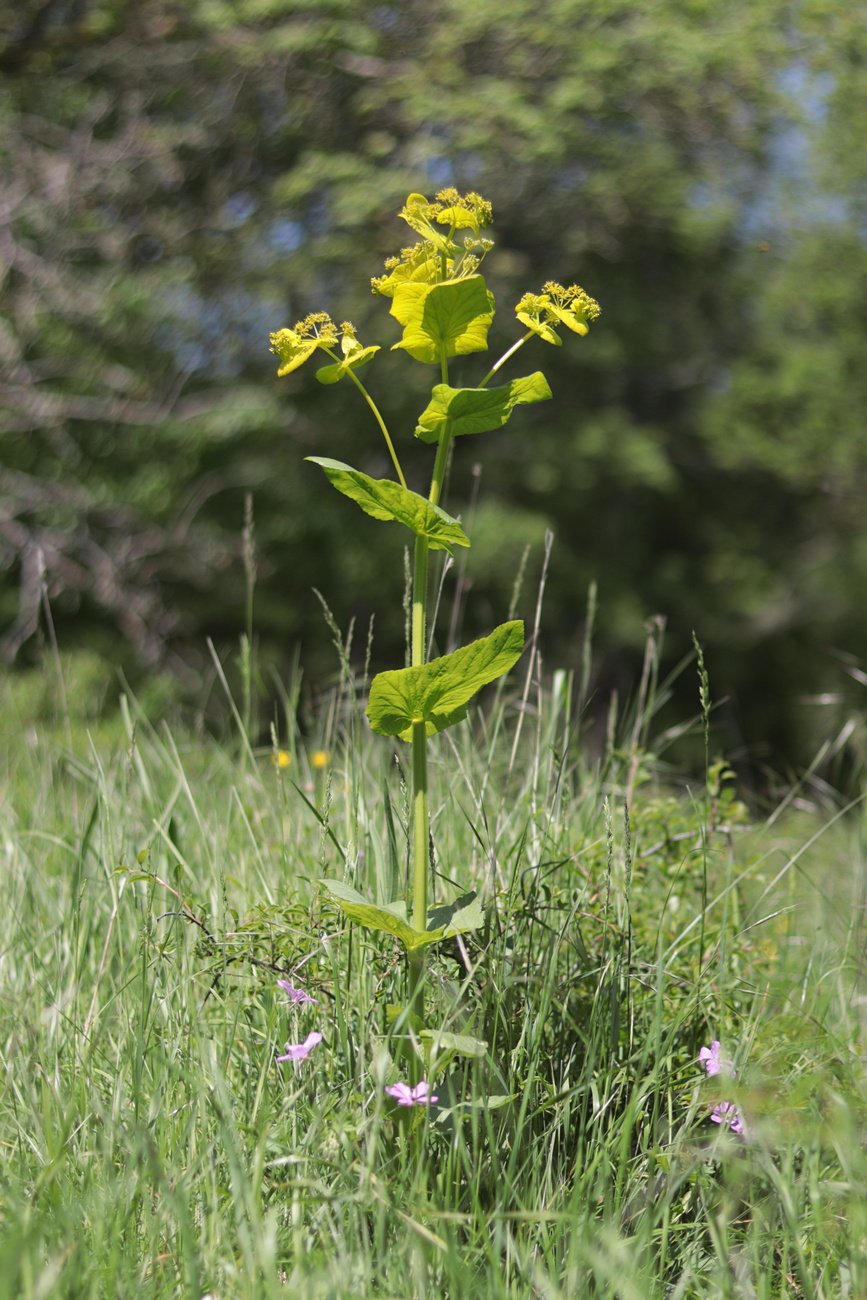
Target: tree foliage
x=181, y=180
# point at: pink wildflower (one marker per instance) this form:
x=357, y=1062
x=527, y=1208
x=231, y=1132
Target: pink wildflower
x=728, y=1114
x=404, y=1095
x=713, y=1062
x=295, y=995
x=300, y=1051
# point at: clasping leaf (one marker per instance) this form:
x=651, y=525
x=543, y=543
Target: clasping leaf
x=455, y=315
x=443, y=922
x=437, y=693
x=477, y=410
x=354, y=361
x=382, y=498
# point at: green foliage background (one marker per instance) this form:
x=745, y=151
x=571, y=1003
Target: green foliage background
x=181, y=179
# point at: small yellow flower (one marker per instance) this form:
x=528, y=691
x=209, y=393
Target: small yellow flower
x=543, y=312
x=282, y=758
x=294, y=346
x=320, y=758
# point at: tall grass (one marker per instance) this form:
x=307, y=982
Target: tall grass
x=157, y=883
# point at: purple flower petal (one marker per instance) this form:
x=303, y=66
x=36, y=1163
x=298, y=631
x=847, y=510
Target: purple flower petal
x=713, y=1062
x=295, y=995
x=404, y=1095
x=299, y=1051
x=728, y=1114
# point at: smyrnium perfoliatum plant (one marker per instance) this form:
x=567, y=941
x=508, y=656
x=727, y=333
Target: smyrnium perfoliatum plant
x=440, y=299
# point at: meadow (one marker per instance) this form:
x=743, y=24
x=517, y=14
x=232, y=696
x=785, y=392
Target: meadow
x=159, y=881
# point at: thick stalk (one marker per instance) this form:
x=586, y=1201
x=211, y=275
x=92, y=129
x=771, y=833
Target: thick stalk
x=420, y=818
x=420, y=812
x=420, y=807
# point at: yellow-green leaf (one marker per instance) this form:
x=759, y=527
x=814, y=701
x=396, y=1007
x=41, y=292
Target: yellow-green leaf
x=538, y=327
x=459, y=218
x=575, y=323
x=388, y=919
x=437, y=693
x=355, y=360
x=454, y=315
x=384, y=499
x=443, y=921
x=477, y=410
x=464, y=914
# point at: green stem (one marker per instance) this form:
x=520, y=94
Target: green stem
x=420, y=809
x=418, y=648
x=419, y=602
x=504, y=358
x=379, y=420
x=420, y=823
x=439, y=472
x=420, y=804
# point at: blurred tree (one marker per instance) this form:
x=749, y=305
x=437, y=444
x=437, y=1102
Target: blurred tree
x=178, y=180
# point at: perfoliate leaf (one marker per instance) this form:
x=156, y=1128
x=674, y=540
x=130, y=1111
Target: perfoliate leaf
x=393, y=1012
x=539, y=327
x=417, y=213
x=459, y=218
x=438, y=693
x=354, y=361
x=382, y=498
x=455, y=314
x=295, y=346
x=443, y=922
x=358, y=909
x=292, y=357
x=570, y=320
x=477, y=410
x=464, y=914
x=421, y=263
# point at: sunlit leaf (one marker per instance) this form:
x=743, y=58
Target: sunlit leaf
x=384, y=499
x=354, y=361
x=458, y=218
x=477, y=410
x=384, y=919
x=454, y=315
x=390, y=918
x=464, y=914
x=437, y=693
x=293, y=357
x=569, y=319
x=539, y=327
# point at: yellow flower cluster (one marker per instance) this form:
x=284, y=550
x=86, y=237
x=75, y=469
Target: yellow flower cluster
x=437, y=257
x=467, y=211
x=294, y=346
x=543, y=312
